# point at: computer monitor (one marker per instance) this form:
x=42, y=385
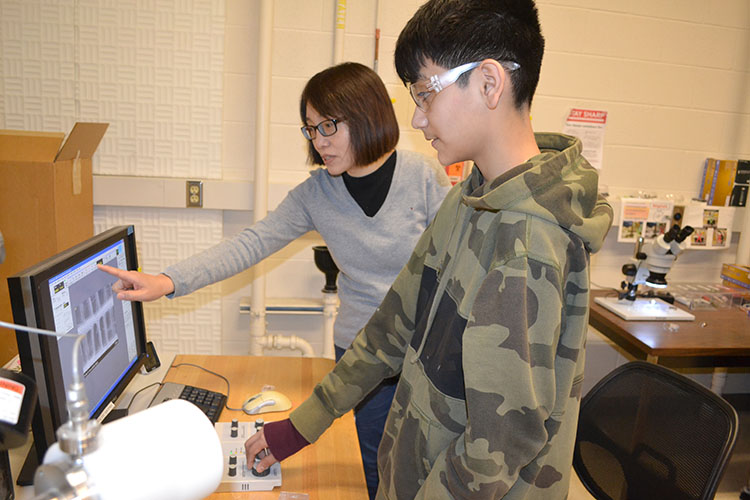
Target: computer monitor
x=67, y=293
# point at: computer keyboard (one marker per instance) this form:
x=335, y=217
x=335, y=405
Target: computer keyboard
x=211, y=403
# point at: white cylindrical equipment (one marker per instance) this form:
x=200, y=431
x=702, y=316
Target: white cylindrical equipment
x=169, y=451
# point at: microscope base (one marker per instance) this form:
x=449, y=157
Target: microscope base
x=644, y=309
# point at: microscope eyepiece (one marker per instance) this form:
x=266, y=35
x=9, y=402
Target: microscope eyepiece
x=673, y=232
x=686, y=231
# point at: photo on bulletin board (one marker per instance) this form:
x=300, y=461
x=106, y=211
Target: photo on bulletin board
x=720, y=237
x=654, y=229
x=644, y=218
x=698, y=238
x=710, y=217
x=712, y=225
x=631, y=230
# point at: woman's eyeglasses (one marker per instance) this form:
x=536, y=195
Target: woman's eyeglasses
x=326, y=128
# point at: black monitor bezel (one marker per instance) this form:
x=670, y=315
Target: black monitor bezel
x=36, y=281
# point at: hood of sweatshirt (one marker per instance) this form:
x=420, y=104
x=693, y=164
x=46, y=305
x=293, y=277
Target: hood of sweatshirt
x=558, y=185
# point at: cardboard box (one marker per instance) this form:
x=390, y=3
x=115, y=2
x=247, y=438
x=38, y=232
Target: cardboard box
x=735, y=275
x=46, y=201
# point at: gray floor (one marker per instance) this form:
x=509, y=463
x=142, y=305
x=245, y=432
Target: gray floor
x=737, y=472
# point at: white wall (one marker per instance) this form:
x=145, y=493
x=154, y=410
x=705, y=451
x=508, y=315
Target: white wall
x=673, y=75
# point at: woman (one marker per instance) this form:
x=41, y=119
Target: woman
x=370, y=204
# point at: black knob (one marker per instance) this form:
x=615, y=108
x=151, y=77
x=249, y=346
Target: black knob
x=261, y=474
x=629, y=269
x=234, y=428
x=232, y=471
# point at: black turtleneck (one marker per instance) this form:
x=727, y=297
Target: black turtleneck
x=371, y=190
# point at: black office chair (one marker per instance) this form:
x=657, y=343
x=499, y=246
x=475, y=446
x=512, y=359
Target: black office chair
x=646, y=432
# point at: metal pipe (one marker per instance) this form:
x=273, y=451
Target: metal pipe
x=287, y=342
x=338, y=32
x=378, y=17
x=330, y=310
x=260, y=179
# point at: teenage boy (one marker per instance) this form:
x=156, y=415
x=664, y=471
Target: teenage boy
x=487, y=322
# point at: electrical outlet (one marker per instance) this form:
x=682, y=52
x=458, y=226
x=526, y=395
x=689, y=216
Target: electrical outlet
x=194, y=194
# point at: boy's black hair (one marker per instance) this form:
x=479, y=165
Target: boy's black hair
x=455, y=32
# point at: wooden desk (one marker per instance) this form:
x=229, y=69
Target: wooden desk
x=716, y=338
x=331, y=468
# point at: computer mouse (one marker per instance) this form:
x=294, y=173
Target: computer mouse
x=266, y=402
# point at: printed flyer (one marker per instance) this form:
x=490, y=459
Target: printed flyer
x=588, y=125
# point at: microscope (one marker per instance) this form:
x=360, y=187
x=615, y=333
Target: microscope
x=651, y=263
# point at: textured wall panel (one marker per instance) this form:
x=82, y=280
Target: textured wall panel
x=153, y=70
x=190, y=324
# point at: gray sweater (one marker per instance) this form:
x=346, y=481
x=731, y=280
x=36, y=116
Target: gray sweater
x=369, y=251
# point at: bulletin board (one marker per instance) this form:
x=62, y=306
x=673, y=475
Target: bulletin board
x=648, y=218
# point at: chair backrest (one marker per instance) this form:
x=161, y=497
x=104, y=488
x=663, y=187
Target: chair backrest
x=647, y=432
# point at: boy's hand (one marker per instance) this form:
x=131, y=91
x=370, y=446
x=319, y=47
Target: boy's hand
x=142, y=287
x=256, y=445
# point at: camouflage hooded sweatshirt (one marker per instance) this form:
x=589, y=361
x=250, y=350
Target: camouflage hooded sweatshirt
x=486, y=324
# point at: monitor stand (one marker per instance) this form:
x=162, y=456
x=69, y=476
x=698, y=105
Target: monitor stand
x=6, y=476
x=644, y=309
x=115, y=414
x=30, y=465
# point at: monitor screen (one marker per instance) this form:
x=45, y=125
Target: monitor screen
x=82, y=301
x=68, y=294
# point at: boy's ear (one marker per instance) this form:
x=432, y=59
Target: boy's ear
x=493, y=80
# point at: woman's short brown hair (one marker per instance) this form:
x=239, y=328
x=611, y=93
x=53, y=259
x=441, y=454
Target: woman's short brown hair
x=355, y=94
